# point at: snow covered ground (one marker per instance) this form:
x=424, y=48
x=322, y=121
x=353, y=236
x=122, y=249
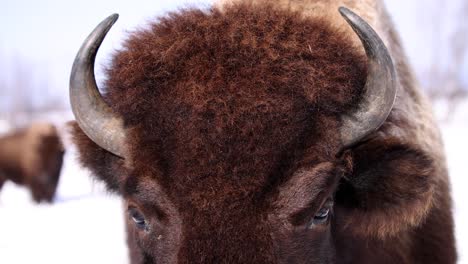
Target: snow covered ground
x=85, y=224
x=455, y=134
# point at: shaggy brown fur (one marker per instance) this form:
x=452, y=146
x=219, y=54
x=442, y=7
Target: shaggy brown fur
x=32, y=157
x=233, y=119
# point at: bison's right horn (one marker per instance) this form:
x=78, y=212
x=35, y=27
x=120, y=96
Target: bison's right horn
x=380, y=89
x=94, y=116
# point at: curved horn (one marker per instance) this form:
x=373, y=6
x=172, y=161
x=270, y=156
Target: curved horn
x=94, y=116
x=380, y=90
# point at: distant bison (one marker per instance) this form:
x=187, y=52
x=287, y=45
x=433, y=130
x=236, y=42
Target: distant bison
x=32, y=157
x=267, y=132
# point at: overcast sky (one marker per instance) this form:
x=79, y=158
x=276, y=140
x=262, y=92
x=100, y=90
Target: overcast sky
x=44, y=35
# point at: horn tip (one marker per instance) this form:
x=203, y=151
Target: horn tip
x=344, y=10
x=112, y=18
x=348, y=14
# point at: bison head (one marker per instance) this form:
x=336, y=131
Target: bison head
x=226, y=131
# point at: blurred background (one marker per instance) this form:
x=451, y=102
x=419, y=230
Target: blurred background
x=84, y=224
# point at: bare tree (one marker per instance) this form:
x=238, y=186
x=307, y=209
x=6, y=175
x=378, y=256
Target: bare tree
x=445, y=81
x=25, y=92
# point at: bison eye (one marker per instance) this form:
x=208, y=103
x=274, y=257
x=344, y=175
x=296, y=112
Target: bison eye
x=322, y=215
x=138, y=218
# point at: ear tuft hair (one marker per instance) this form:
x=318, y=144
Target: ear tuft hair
x=390, y=188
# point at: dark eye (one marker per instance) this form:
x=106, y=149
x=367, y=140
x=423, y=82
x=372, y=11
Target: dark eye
x=322, y=215
x=138, y=218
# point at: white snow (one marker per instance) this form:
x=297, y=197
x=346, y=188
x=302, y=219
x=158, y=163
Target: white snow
x=85, y=224
x=4, y=127
x=455, y=133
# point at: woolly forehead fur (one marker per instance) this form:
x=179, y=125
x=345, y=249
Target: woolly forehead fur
x=245, y=77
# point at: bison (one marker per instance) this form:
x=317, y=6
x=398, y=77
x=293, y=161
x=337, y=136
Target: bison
x=266, y=132
x=32, y=157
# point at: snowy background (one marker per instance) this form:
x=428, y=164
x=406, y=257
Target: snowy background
x=38, y=42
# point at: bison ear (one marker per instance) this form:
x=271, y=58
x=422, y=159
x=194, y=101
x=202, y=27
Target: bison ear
x=389, y=189
x=103, y=165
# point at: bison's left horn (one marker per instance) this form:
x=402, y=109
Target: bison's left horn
x=380, y=89
x=94, y=116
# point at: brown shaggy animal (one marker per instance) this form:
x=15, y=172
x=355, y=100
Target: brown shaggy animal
x=232, y=150
x=32, y=157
